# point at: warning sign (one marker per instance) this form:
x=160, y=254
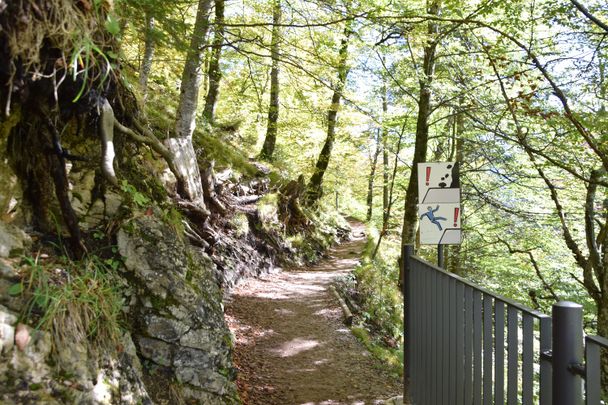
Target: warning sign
x=438, y=182
x=439, y=224
x=439, y=208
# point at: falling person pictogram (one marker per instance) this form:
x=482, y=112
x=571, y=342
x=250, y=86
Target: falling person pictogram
x=430, y=214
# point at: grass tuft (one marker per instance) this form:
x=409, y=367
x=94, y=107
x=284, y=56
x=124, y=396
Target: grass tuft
x=75, y=302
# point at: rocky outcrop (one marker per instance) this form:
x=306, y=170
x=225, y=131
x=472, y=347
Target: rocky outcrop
x=33, y=371
x=177, y=312
x=13, y=241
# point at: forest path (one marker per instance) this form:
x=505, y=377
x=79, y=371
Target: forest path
x=291, y=345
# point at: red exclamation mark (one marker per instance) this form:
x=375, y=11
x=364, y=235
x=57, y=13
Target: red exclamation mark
x=456, y=212
x=428, y=175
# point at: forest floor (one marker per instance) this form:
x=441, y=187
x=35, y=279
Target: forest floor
x=291, y=344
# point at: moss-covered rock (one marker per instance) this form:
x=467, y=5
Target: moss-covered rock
x=178, y=315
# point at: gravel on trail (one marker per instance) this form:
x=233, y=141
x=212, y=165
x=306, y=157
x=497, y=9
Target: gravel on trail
x=291, y=344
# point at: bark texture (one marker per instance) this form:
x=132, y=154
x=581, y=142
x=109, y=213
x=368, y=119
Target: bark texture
x=385, y=164
x=215, y=73
x=410, y=215
x=370, y=182
x=273, y=108
x=314, y=190
x=192, y=74
x=189, y=179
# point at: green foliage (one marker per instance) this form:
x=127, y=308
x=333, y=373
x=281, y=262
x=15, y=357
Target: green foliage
x=381, y=317
x=134, y=196
x=224, y=154
x=76, y=301
x=240, y=224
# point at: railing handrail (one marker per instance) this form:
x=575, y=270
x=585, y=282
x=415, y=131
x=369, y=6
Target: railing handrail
x=467, y=344
x=536, y=314
x=598, y=340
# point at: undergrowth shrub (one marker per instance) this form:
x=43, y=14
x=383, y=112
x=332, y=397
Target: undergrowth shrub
x=75, y=301
x=375, y=282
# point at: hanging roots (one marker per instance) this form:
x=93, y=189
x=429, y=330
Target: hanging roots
x=30, y=29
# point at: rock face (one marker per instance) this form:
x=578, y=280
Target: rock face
x=13, y=241
x=37, y=373
x=178, y=312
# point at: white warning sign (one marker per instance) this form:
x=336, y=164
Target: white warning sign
x=439, y=223
x=438, y=182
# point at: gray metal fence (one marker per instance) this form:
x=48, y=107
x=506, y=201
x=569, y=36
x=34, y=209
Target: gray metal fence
x=467, y=345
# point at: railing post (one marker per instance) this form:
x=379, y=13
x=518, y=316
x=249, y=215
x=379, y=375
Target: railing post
x=567, y=353
x=408, y=251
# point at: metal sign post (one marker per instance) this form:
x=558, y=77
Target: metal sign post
x=439, y=207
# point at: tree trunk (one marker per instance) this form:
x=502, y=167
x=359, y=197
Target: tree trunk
x=273, y=108
x=146, y=64
x=314, y=189
x=385, y=164
x=189, y=179
x=215, y=73
x=455, y=263
x=370, y=184
x=410, y=214
x=192, y=75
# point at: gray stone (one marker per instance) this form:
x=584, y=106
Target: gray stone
x=31, y=362
x=82, y=183
x=165, y=329
x=7, y=329
x=201, y=339
x=187, y=357
x=75, y=357
x=7, y=271
x=200, y=397
x=93, y=216
x=7, y=337
x=182, y=325
x=179, y=312
x=113, y=203
x=155, y=350
x=13, y=241
x=208, y=380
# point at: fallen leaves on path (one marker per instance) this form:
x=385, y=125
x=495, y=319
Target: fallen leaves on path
x=291, y=346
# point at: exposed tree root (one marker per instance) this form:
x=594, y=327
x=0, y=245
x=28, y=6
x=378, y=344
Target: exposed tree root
x=106, y=133
x=290, y=210
x=209, y=187
x=60, y=179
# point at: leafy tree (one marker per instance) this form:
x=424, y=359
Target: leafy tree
x=273, y=108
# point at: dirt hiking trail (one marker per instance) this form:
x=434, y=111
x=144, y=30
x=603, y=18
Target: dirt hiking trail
x=291, y=345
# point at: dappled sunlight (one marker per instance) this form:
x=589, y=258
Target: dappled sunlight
x=283, y=311
x=295, y=346
x=291, y=346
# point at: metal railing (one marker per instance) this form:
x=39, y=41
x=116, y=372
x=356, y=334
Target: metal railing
x=467, y=345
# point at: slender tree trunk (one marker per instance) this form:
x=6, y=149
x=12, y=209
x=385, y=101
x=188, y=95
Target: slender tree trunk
x=192, y=75
x=390, y=196
x=410, y=214
x=370, y=184
x=455, y=263
x=146, y=64
x=385, y=164
x=215, y=73
x=273, y=108
x=189, y=181
x=314, y=190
